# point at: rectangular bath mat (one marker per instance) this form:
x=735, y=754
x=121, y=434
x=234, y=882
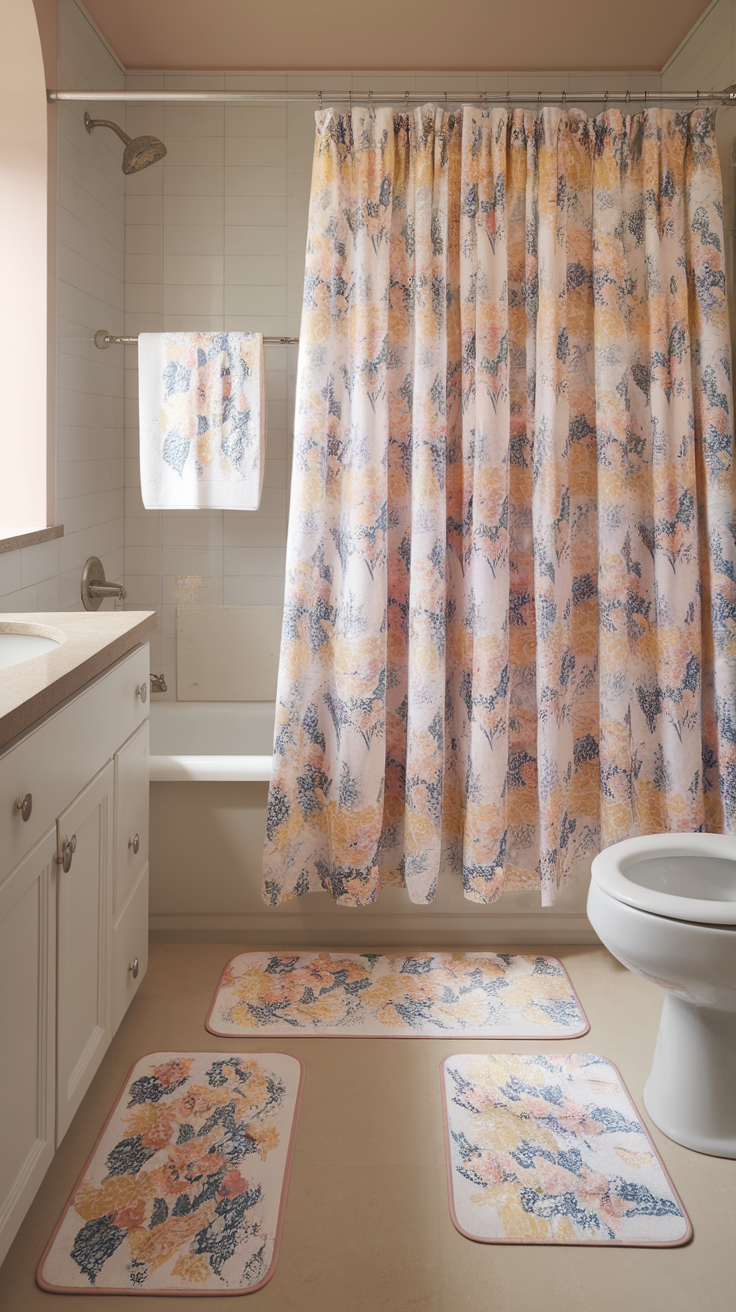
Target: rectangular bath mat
x=479, y=995
x=549, y=1149
x=185, y=1190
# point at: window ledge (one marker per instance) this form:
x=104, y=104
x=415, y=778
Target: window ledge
x=13, y=538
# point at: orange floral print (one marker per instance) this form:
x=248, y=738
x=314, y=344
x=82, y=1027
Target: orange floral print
x=510, y=611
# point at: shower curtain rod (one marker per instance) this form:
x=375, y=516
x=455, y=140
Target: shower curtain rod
x=726, y=97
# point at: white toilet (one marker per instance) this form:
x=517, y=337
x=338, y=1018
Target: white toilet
x=665, y=906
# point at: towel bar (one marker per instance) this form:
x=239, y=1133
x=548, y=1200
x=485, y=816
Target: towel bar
x=103, y=339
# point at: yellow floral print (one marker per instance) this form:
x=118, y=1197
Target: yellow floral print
x=510, y=611
x=550, y=1149
x=424, y=993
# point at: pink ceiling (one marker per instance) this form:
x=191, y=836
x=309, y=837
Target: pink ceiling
x=430, y=34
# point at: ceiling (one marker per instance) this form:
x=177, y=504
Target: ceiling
x=565, y=35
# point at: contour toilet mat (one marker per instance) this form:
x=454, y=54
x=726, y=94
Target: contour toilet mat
x=550, y=1149
x=185, y=1190
x=420, y=995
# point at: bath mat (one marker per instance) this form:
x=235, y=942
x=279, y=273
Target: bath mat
x=549, y=1149
x=185, y=1190
x=371, y=995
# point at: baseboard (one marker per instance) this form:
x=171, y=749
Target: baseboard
x=296, y=929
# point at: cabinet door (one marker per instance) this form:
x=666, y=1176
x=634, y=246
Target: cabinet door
x=83, y=1009
x=131, y=816
x=27, y=979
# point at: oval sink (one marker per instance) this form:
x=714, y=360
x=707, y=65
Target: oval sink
x=22, y=642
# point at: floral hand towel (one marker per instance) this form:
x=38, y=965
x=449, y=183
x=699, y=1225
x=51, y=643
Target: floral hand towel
x=549, y=1149
x=202, y=404
x=185, y=1190
x=421, y=995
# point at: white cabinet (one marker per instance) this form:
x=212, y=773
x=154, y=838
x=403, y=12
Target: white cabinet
x=83, y=996
x=130, y=894
x=73, y=912
x=27, y=1026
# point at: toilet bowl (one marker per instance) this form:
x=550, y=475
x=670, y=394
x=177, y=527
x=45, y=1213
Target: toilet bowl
x=665, y=906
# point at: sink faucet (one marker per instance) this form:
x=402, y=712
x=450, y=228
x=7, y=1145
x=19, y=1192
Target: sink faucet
x=158, y=683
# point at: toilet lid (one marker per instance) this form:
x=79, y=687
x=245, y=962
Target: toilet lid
x=683, y=876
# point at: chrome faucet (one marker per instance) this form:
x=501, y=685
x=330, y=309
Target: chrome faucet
x=158, y=683
x=95, y=587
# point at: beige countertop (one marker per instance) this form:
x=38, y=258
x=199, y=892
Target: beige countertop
x=90, y=643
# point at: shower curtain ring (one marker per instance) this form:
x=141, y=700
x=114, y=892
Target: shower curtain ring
x=350, y=101
x=564, y=99
x=406, y=100
x=605, y=101
x=445, y=97
x=628, y=97
x=320, y=99
x=697, y=94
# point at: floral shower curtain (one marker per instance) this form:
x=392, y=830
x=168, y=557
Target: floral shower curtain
x=510, y=614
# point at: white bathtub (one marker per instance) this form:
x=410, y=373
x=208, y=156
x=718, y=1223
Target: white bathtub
x=207, y=741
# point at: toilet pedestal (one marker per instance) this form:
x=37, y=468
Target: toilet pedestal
x=691, y=1091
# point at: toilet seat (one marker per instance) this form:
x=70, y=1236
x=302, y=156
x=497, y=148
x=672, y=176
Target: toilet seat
x=614, y=868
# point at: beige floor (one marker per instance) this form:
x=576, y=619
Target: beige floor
x=367, y=1224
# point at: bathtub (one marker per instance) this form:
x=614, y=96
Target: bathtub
x=210, y=767
x=209, y=741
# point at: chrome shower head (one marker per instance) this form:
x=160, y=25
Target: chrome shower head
x=139, y=152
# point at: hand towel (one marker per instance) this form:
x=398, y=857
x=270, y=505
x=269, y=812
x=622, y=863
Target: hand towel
x=202, y=405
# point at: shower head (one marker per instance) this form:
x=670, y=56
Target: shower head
x=139, y=152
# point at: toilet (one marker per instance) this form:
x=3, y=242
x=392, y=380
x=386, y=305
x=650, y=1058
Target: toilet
x=665, y=906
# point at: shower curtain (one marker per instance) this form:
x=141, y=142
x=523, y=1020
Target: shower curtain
x=510, y=612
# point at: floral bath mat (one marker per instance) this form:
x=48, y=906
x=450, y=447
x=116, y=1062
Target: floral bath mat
x=371, y=995
x=185, y=1190
x=550, y=1150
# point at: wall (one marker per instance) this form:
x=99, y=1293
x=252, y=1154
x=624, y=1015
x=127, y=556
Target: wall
x=23, y=220
x=215, y=237
x=89, y=384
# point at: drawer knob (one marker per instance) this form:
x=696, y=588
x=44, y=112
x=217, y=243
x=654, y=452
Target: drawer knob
x=67, y=852
x=135, y=843
x=25, y=805
x=142, y=691
x=133, y=967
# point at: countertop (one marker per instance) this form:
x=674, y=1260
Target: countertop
x=91, y=643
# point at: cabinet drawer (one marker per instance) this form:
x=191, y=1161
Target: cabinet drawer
x=131, y=815
x=55, y=759
x=129, y=943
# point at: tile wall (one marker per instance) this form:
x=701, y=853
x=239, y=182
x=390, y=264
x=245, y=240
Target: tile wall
x=215, y=238
x=90, y=485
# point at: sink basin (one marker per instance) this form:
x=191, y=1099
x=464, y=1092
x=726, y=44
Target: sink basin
x=23, y=642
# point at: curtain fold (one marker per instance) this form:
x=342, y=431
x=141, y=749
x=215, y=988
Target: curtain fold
x=510, y=621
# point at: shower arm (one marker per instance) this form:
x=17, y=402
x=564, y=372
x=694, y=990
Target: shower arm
x=91, y=123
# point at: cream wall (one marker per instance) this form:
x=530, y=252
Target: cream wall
x=89, y=386
x=215, y=238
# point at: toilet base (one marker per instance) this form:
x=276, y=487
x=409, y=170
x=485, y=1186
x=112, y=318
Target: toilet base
x=690, y=1091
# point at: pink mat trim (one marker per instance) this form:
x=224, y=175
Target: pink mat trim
x=565, y=1243
x=446, y=1034
x=180, y=1293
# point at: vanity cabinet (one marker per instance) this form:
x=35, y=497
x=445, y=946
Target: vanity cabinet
x=28, y=1029
x=73, y=912
x=83, y=986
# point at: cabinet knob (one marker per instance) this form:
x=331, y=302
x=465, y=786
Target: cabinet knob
x=25, y=805
x=142, y=691
x=67, y=852
x=135, y=843
x=133, y=967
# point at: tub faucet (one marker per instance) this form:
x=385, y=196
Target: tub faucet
x=158, y=683
x=95, y=586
